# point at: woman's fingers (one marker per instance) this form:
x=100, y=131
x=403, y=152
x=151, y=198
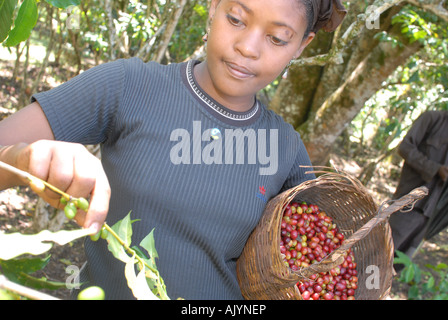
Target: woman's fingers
x=98, y=206
x=74, y=170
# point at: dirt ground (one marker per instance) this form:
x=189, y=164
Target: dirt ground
x=17, y=206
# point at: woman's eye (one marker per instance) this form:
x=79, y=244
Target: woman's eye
x=236, y=22
x=277, y=41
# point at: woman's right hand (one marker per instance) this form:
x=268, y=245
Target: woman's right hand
x=71, y=168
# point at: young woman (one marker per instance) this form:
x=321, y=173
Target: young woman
x=186, y=147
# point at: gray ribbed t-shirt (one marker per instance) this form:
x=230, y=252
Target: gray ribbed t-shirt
x=180, y=162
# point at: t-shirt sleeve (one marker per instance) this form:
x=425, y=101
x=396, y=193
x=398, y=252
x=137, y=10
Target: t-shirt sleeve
x=83, y=109
x=301, y=168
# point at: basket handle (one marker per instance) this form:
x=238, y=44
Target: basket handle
x=337, y=257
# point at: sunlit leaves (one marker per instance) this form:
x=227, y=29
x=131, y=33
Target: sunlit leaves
x=23, y=24
x=137, y=283
x=6, y=17
x=123, y=229
x=419, y=25
x=19, y=270
x=19, y=255
x=420, y=84
x=18, y=244
x=423, y=284
x=25, y=19
x=140, y=269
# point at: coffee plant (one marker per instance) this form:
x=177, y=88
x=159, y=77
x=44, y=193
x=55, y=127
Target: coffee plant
x=19, y=253
x=25, y=19
x=424, y=284
x=309, y=235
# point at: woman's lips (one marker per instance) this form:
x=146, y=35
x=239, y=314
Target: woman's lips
x=238, y=71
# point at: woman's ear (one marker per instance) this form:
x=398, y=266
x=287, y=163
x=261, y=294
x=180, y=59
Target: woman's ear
x=305, y=42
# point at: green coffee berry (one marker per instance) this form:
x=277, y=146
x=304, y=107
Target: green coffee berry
x=63, y=201
x=82, y=204
x=96, y=236
x=70, y=210
x=92, y=293
x=104, y=233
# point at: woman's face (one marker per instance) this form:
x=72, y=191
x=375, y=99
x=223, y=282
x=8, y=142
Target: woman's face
x=249, y=44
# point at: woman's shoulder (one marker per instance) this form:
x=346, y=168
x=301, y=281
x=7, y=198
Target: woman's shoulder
x=136, y=70
x=137, y=63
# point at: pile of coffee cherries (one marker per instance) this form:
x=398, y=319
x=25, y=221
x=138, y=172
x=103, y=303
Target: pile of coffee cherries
x=309, y=235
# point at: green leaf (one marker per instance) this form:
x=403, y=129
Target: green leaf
x=12, y=268
x=19, y=270
x=413, y=293
x=139, y=252
x=148, y=277
x=149, y=244
x=25, y=21
x=421, y=34
x=415, y=77
x=137, y=283
x=417, y=273
x=402, y=258
x=409, y=273
x=152, y=279
x=443, y=286
x=40, y=283
x=6, y=17
x=123, y=229
x=4, y=295
x=15, y=244
x=441, y=296
x=441, y=266
x=63, y=4
x=430, y=284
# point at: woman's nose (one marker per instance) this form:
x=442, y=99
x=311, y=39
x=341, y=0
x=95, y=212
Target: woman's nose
x=248, y=44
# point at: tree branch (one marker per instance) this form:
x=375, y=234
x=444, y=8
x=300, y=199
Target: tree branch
x=111, y=26
x=434, y=6
x=171, y=26
x=336, y=52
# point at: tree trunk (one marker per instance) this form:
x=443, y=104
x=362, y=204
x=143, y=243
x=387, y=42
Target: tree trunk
x=294, y=94
x=24, y=84
x=111, y=27
x=335, y=75
x=338, y=110
x=17, y=63
x=44, y=65
x=321, y=101
x=47, y=218
x=169, y=30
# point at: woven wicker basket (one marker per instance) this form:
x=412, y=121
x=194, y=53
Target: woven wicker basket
x=262, y=274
